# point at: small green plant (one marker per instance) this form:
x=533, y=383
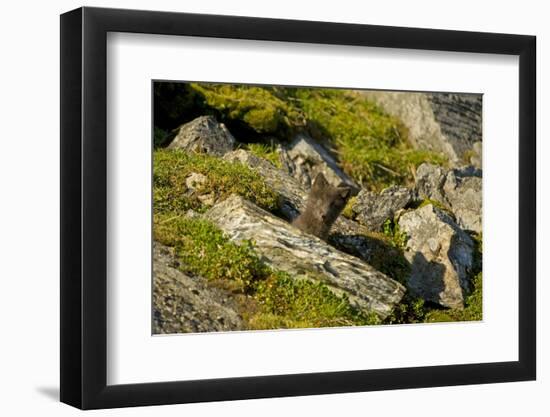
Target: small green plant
x=409, y=310
x=396, y=236
x=266, y=151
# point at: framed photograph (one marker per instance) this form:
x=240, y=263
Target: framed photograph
x=257, y=208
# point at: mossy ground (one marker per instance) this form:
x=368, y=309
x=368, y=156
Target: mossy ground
x=274, y=299
x=372, y=147
x=171, y=168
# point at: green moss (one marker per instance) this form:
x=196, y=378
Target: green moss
x=258, y=107
x=203, y=249
x=348, y=209
x=172, y=167
x=267, y=152
x=409, y=310
x=372, y=146
x=291, y=303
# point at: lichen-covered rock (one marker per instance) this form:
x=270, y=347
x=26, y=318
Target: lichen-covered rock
x=441, y=122
x=288, y=249
x=305, y=158
x=373, y=209
x=441, y=256
x=184, y=304
x=460, y=189
x=204, y=135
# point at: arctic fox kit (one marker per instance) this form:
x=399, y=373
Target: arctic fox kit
x=324, y=204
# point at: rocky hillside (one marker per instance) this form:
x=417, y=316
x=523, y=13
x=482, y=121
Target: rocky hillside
x=233, y=166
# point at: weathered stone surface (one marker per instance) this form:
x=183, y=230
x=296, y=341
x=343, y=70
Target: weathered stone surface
x=184, y=304
x=441, y=256
x=372, y=209
x=442, y=122
x=429, y=182
x=304, y=256
x=346, y=234
x=460, y=118
x=305, y=158
x=204, y=135
x=460, y=189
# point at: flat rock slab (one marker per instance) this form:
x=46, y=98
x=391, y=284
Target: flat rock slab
x=301, y=255
x=441, y=256
x=185, y=304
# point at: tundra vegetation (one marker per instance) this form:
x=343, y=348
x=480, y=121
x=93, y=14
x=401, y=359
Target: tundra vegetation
x=370, y=146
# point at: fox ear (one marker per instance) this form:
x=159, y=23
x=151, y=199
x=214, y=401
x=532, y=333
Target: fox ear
x=344, y=192
x=320, y=180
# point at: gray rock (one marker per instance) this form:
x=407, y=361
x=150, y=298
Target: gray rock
x=441, y=256
x=464, y=195
x=288, y=249
x=305, y=158
x=441, y=122
x=459, y=189
x=185, y=304
x=204, y=135
x=373, y=209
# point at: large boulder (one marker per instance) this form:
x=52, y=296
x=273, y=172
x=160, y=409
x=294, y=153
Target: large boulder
x=204, y=135
x=441, y=122
x=373, y=209
x=441, y=256
x=459, y=189
x=185, y=304
x=305, y=158
x=288, y=249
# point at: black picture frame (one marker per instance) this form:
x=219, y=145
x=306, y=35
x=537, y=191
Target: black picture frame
x=84, y=207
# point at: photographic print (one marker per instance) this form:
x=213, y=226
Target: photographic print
x=278, y=207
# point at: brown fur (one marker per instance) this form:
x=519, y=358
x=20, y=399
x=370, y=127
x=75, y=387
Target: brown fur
x=324, y=204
